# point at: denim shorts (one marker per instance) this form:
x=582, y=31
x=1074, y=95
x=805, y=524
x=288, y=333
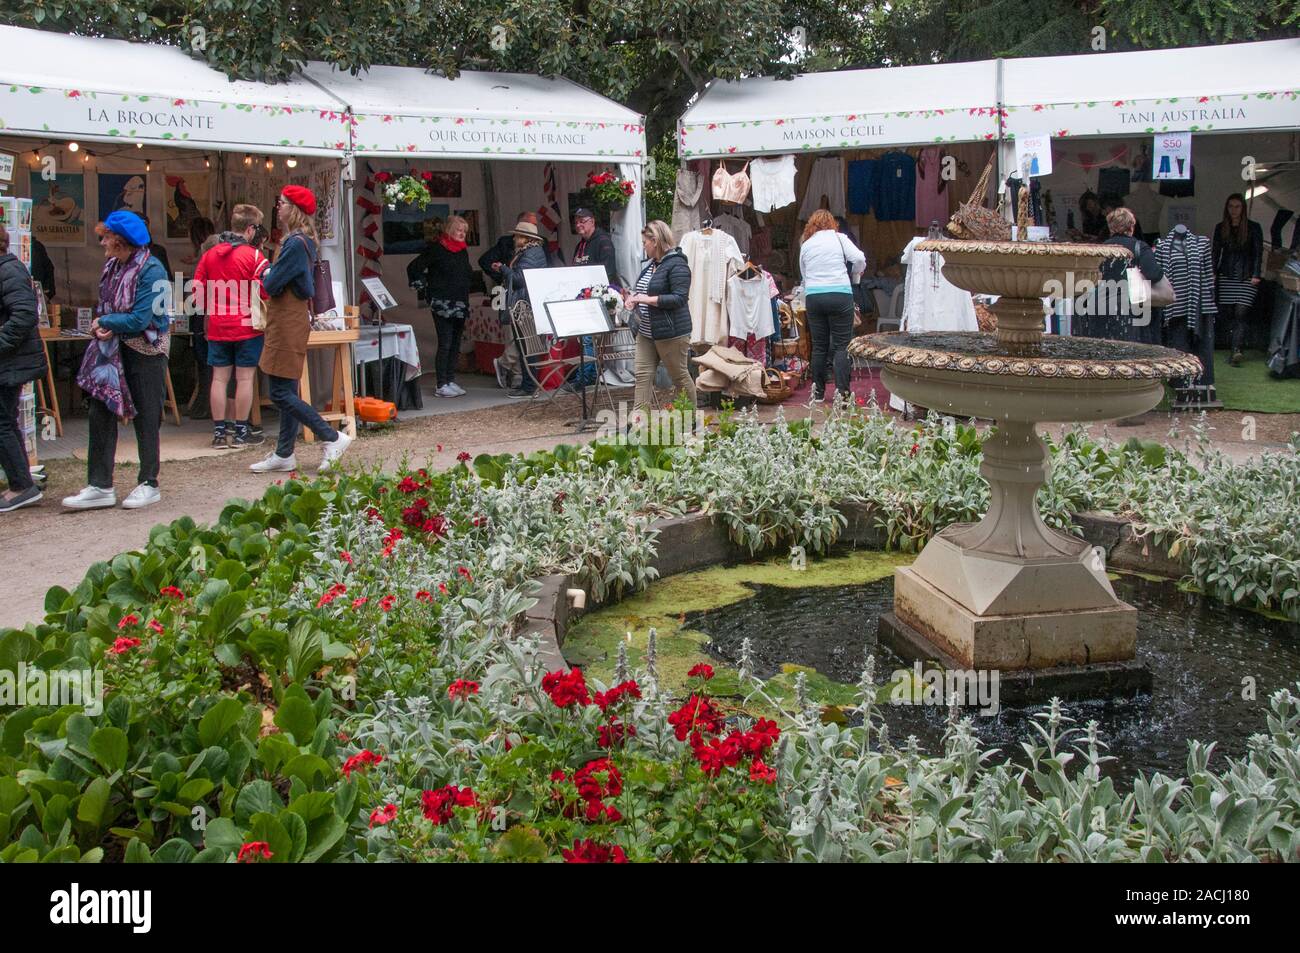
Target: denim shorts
x=240, y=353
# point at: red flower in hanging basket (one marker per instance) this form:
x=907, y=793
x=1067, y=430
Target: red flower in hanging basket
x=427, y=176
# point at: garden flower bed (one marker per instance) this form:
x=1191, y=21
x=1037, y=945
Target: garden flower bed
x=335, y=672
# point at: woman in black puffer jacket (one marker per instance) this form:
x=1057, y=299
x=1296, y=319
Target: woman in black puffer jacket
x=663, y=320
x=22, y=360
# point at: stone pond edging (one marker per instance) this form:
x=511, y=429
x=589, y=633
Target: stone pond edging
x=698, y=541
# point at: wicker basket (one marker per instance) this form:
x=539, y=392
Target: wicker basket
x=776, y=387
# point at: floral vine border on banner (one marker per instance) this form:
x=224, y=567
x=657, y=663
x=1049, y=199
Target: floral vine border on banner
x=1242, y=112
x=165, y=119
x=377, y=133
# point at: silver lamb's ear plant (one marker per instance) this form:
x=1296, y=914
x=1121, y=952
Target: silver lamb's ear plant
x=621, y=671
x=651, y=661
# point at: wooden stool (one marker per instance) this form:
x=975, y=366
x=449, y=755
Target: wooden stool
x=342, y=411
x=170, y=402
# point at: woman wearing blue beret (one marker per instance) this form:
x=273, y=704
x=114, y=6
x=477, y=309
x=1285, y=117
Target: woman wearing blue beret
x=131, y=334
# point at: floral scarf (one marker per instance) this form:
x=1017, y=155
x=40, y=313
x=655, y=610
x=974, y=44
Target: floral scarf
x=117, y=283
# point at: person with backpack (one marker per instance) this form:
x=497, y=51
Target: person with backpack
x=226, y=278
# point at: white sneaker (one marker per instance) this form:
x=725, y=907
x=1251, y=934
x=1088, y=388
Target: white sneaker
x=456, y=389
x=444, y=391
x=333, y=450
x=143, y=495
x=274, y=463
x=91, y=498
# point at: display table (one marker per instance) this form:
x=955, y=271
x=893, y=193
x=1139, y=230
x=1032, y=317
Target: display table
x=399, y=341
x=48, y=398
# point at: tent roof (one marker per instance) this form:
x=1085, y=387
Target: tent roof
x=61, y=79
x=408, y=111
x=1237, y=86
x=901, y=105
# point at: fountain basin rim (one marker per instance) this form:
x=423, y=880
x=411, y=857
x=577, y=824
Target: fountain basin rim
x=958, y=246
x=904, y=350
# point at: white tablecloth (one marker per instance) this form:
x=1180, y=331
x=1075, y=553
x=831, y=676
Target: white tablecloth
x=399, y=342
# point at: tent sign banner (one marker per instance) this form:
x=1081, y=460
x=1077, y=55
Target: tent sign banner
x=1173, y=156
x=856, y=130
x=1264, y=110
x=47, y=111
x=377, y=134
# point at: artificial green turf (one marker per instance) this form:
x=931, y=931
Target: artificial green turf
x=1250, y=387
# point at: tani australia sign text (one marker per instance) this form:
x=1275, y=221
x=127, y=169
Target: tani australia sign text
x=1265, y=110
x=851, y=131
x=470, y=136
x=74, y=113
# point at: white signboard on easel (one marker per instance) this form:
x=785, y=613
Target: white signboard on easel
x=559, y=284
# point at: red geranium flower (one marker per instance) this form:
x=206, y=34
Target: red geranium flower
x=557, y=776
x=628, y=689
x=589, y=783
x=345, y=556
x=156, y=626
x=333, y=593
x=171, y=592
x=424, y=595
x=123, y=644
x=249, y=852
x=702, y=670
x=566, y=689
x=408, y=485
x=360, y=601
x=462, y=688
x=463, y=457
x=758, y=771
x=439, y=804
x=435, y=526
x=128, y=620
x=589, y=852
x=465, y=572
x=386, y=604
x=696, y=717
x=360, y=761
x=442, y=587
x=382, y=815
x=614, y=734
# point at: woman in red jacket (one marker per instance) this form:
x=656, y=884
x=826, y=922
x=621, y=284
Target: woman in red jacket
x=226, y=275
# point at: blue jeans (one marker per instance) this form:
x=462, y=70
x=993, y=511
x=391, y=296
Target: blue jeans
x=294, y=411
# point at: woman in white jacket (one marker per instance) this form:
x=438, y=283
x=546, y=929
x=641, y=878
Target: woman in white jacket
x=829, y=264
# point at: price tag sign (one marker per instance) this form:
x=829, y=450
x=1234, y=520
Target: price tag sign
x=1172, y=156
x=1034, y=155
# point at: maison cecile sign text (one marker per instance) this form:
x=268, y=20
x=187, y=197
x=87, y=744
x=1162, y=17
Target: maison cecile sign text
x=859, y=131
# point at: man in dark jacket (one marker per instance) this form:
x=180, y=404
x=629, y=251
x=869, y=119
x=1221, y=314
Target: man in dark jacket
x=22, y=360
x=595, y=247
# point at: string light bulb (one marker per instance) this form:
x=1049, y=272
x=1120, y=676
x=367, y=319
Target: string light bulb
x=73, y=147
x=269, y=164
x=139, y=145
x=207, y=162
x=248, y=159
x=148, y=165
x=291, y=162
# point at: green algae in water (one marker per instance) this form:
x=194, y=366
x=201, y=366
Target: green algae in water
x=667, y=606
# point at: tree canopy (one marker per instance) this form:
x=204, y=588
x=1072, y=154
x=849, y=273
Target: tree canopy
x=654, y=55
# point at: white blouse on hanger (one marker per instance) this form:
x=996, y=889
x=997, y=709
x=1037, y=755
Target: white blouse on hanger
x=714, y=257
x=772, y=183
x=749, y=306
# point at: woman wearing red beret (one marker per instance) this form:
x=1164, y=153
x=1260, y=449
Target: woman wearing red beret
x=288, y=287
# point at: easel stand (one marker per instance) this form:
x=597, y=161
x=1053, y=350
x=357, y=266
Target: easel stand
x=584, y=424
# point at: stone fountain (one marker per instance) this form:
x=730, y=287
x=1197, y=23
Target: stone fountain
x=1009, y=594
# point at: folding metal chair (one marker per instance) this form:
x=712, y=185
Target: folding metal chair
x=536, y=351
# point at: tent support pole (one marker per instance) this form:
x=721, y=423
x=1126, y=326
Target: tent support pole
x=998, y=148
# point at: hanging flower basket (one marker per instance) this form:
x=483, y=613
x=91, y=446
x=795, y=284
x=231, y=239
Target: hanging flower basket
x=406, y=189
x=609, y=191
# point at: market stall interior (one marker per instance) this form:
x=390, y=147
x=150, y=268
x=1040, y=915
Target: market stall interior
x=895, y=153
x=90, y=131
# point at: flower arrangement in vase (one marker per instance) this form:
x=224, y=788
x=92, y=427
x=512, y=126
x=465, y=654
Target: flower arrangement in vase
x=611, y=296
x=406, y=189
